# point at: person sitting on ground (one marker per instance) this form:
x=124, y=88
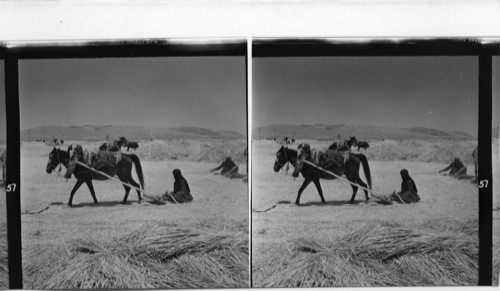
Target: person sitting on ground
x=245, y=153
x=181, y=192
x=409, y=192
x=457, y=168
x=228, y=167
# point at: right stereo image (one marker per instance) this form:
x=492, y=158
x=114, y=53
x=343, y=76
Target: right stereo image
x=365, y=166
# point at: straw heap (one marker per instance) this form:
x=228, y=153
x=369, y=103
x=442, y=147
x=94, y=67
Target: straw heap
x=375, y=255
x=4, y=258
x=154, y=256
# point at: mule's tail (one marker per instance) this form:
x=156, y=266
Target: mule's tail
x=138, y=168
x=366, y=169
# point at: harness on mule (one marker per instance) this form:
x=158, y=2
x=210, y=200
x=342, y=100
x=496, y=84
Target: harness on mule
x=328, y=158
x=102, y=160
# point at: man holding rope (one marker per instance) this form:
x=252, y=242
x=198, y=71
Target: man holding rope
x=409, y=192
x=181, y=192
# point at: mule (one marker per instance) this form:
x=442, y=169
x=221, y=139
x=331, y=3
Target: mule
x=311, y=174
x=363, y=145
x=132, y=144
x=84, y=175
x=345, y=145
x=115, y=145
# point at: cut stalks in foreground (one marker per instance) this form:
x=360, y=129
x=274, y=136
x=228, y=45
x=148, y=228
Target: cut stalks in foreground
x=374, y=255
x=4, y=258
x=152, y=256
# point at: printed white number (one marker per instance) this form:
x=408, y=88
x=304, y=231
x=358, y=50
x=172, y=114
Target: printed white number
x=483, y=184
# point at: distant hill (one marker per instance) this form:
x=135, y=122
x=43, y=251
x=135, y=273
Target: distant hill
x=362, y=132
x=111, y=132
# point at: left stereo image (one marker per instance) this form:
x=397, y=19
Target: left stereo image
x=133, y=170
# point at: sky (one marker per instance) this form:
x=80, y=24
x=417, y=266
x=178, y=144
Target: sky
x=207, y=92
x=434, y=92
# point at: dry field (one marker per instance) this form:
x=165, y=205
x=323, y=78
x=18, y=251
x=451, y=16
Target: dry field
x=339, y=244
x=111, y=237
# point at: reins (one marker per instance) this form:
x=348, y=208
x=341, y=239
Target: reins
x=287, y=163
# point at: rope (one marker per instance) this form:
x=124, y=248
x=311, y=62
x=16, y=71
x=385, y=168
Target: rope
x=352, y=183
x=146, y=194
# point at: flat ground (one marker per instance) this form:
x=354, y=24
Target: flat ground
x=444, y=200
x=219, y=203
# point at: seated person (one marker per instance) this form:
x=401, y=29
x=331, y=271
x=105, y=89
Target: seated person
x=245, y=153
x=181, y=192
x=409, y=192
x=457, y=168
x=228, y=167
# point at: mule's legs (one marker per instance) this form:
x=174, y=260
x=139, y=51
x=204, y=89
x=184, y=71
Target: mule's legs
x=77, y=185
x=320, y=191
x=91, y=188
x=304, y=185
x=135, y=184
x=127, y=191
x=352, y=178
x=363, y=184
x=354, y=191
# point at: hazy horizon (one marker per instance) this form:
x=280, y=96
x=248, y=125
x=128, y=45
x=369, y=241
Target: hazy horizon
x=361, y=125
x=205, y=92
x=401, y=92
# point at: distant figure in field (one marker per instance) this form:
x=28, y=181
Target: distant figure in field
x=3, y=161
x=228, y=167
x=475, y=157
x=345, y=145
x=181, y=192
x=293, y=140
x=132, y=144
x=363, y=144
x=245, y=153
x=456, y=168
x=114, y=146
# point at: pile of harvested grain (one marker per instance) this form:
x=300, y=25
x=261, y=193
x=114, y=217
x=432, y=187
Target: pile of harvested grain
x=438, y=151
x=375, y=255
x=4, y=258
x=153, y=256
x=209, y=150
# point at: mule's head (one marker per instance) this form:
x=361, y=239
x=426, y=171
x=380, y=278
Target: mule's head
x=75, y=154
x=352, y=141
x=122, y=142
x=281, y=159
x=54, y=160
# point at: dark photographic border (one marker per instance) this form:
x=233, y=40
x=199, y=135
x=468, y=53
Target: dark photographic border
x=13, y=52
x=483, y=49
